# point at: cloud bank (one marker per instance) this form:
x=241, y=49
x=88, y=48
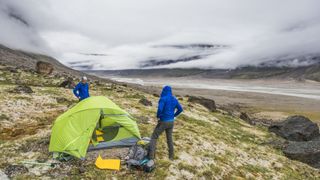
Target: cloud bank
x=126, y=34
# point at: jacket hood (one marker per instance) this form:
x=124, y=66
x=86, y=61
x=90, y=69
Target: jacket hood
x=166, y=91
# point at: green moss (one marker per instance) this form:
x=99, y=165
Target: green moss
x=215, y=169
x=27, y=98
x=187, y=167
x=135, y=96
x=208, y=174
x=254, y=168
x=3, y=117
x=50, y=91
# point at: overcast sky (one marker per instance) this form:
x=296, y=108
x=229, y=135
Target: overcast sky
x=125, y=33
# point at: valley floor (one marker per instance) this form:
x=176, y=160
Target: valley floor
x=263, y=99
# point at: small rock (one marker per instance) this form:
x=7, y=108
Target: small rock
x=156, y=95
x=244, y=116
x=17, y=132
x=22, y=89
x=208, y=103
x=13, y=170
x=13, y=71
x=145, y=102
x=67, y=84
x=61, y=100
x=277, y=165
x=82, y=170
x=44, y=68
x=250, y=176
x=296, y=128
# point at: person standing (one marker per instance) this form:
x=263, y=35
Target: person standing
x=168, y=108
x=81, y=91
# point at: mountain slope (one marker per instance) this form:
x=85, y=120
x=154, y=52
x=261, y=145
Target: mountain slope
x=27, y=60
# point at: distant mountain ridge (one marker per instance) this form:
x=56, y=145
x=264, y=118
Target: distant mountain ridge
x=298, y=61
x=311, y=72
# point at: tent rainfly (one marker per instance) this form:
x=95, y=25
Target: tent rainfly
x=96, y=119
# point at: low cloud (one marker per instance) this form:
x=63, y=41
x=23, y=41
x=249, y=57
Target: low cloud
x=126, y=34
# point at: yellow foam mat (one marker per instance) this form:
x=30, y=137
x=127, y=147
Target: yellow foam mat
x=112, y=164
x=100, y=138
x=99, y=132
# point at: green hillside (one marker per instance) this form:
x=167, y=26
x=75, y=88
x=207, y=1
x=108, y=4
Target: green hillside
x=209, y=145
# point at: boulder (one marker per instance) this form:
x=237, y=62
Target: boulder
x=67, y=84
x=296, y=128
x=307, y=152
x=207, y=103
x=44, y=68
x=145, y=102
x=22, y=89
x=12, y=69
x=244, y=116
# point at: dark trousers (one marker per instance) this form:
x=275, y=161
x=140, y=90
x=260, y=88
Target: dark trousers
x=162, y=126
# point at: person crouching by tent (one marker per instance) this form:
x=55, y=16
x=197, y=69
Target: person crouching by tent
x=168, y=108
x=81, y=91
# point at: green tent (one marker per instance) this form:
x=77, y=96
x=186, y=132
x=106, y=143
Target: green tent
x=73, y=130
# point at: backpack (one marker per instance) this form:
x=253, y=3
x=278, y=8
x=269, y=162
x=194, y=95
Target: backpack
x=149, y=166
x=137, y=157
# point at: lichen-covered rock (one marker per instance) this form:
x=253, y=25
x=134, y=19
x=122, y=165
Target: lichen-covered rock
x=296, y=128
x=67, y=84
x=13, y=170
x=44, y=68
x=208, y=103
x=145, y=102
x=22, y=89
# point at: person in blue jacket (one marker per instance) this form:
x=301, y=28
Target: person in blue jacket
x=168, y=108
x=81, y=91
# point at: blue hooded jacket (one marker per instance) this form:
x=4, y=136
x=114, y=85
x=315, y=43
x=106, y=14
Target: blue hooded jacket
x=167, y=105
x=81, y=90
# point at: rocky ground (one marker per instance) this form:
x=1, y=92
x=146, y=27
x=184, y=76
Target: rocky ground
x=209, y=144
